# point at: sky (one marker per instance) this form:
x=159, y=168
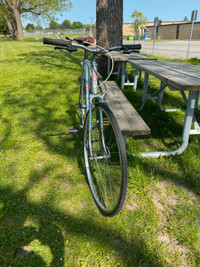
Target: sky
x=167, y=10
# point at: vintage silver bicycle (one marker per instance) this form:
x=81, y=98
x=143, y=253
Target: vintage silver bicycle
x=104, y=149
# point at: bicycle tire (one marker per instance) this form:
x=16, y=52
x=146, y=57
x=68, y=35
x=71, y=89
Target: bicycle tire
x=108, y=158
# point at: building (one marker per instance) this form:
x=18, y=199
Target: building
x=168, y=30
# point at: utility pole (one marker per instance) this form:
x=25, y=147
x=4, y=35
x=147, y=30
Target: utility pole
x=91, y=32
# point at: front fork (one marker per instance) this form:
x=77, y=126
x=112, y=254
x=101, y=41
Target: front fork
x=97, y=124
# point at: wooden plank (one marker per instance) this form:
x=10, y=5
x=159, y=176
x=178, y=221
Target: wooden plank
x=185, y=68
x=136, y=56
x=130, y=122
x=171, y=77
x=118, y=56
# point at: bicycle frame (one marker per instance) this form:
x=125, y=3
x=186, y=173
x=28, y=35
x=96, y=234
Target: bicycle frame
x=89, y=77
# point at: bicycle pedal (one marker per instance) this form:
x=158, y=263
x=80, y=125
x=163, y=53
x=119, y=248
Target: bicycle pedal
x=73, y=131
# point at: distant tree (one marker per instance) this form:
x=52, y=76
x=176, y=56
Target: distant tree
x=88, y=25
x=142, y=20
x=3, y=26
x=38, y=27
x=185, y=18
x=54, y=25
x=13, y=10
x=66, y=24
x=30, y=27
x=77, y=25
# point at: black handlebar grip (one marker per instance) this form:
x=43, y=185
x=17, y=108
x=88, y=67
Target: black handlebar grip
x=133, y=46
x=56, y=42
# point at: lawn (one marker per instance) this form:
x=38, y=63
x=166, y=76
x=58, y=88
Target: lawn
x=47, y=214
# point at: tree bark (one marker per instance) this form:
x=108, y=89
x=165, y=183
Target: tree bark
x=109, y=25
x=17, y=19
x=11, y=27
x=109, y=22
x=9, y=24
x=14, y=18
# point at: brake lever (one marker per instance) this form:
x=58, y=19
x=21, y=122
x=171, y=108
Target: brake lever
x=69, y=49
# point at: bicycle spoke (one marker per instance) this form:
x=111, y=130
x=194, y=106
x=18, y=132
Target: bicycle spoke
x=105, y=174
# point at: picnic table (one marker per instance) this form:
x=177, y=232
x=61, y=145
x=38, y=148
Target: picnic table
x=177, y=76
x=121, y=59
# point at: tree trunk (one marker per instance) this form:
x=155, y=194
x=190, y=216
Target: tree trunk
x=109, y=24
x=12, y=27
x=17, y=18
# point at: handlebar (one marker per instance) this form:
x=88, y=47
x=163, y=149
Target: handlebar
x=70, y=45
x=56, y=42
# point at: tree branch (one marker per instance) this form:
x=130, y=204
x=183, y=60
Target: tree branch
x=24, y=10
x=31, y=9
x=9, y=4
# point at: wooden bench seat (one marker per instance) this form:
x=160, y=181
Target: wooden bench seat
x=130, y=122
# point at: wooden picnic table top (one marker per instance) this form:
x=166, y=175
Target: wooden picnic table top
x=119, y=56
x=185, y=68
x=181, y=76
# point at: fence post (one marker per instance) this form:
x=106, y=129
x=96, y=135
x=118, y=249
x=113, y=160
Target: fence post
x=155, y=32
x=193, y=19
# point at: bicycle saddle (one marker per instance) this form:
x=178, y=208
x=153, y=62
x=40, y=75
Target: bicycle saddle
x=85, y=40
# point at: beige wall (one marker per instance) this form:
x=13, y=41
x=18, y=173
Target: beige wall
x=180, y=30
x=129, y=30
x=177, y=31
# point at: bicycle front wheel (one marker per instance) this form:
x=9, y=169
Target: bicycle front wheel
x=105, y=160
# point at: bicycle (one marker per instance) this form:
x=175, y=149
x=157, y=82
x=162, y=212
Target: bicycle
x=104, y=149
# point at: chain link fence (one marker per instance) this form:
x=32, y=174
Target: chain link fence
x=56, y=32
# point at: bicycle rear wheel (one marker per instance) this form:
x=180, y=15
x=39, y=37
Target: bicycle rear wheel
x=105, y=160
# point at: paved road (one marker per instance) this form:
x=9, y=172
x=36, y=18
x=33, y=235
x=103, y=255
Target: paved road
x=170, y=49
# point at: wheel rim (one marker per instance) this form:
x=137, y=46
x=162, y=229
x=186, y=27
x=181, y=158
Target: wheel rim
x=103, y=161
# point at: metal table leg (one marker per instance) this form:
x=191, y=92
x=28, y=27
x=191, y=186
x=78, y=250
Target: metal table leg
x=123, y=74
x=135, y=80
x=145, y=90
x=108, y=66
x=191, y=101
x=196, y=129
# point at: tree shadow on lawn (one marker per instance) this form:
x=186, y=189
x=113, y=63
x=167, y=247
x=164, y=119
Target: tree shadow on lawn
x=17, y=208
x=16, y=236
x=5, y=132
x=187, y=175
x=52, y=228
x=56, y=59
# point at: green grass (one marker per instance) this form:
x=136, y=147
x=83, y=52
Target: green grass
x=47, y=215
